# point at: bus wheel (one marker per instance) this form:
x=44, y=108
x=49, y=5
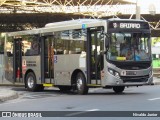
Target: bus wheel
x=31, y=82
x=81, y=85
x=118, y=89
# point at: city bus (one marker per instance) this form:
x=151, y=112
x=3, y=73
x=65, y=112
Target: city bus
x=81, y=54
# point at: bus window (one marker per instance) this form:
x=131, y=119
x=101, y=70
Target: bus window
x=132, y=46
x=77, y=47
x=31, y=45
x=9, y=47
x=68, y=42
x=59, y=46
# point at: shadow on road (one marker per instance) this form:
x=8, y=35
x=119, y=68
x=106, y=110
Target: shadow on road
x=57, y=91
x=119, y=94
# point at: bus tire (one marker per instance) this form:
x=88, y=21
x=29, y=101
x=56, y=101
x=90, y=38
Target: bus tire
x=31, y=82
x=81, y=85
x=118, y=89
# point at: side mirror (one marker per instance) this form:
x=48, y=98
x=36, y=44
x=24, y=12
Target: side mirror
x=107, y=41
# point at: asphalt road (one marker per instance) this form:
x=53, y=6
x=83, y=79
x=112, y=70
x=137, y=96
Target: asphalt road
x=145, y=98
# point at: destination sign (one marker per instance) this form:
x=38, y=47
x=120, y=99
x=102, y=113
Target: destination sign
x=128, y=25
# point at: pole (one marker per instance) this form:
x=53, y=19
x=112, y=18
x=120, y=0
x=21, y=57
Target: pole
x=138, y=10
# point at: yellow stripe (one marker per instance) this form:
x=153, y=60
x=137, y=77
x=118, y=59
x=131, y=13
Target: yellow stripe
x=48, y=85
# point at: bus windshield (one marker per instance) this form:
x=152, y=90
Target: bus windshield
x=129, y=47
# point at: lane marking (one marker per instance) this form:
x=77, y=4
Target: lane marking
x=93, y=110
x=81, y=112
x=154, y=99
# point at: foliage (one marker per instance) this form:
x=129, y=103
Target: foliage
x=155, y=40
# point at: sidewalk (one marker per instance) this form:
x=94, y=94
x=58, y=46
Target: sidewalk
x=156, y=80
x=8, y=94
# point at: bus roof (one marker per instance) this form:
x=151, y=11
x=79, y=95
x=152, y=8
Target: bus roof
x=129, y=20
x=67, y=25
x=73, y=22
x=59, y=26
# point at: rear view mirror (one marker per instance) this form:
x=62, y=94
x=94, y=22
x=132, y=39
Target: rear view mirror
x=107, y=41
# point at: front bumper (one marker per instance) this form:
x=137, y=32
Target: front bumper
x=111, y=80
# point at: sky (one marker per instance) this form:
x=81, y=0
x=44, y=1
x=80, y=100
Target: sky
x=148, y=5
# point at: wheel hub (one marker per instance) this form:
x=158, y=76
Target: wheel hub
x=30, y=82
x=79, y=83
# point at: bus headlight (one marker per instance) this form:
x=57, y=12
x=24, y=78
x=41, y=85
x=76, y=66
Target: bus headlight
x=117, y=75
x=113, y=72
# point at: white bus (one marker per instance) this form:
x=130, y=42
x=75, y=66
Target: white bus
x=80, y=54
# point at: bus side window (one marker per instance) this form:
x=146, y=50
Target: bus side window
x=35, y=48
x=9, y=49
x=31, y=45
x=65, y=44
x=58, y=46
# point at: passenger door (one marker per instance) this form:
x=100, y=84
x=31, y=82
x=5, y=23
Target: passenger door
x=47, y=59
x=17, y=60
x=95, y=62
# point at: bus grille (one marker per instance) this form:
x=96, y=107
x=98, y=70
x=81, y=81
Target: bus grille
x=135, y=78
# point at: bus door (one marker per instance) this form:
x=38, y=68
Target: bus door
x=17, y=60
x=94, y=56
x=48, y=59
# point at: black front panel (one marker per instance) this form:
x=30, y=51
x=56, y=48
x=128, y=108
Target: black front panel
x=128, y=25
x=132, y=79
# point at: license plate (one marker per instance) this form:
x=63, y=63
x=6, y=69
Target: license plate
x=131, y=73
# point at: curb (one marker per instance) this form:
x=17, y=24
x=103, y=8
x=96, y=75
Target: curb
x=6, y=95
x=156, y=83
x=156, y=80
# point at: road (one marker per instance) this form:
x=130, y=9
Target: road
x=145, y=98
